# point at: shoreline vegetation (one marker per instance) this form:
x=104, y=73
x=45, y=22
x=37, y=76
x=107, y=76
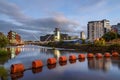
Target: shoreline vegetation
x=90, y=48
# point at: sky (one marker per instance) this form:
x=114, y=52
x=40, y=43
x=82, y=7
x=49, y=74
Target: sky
x=34, y=18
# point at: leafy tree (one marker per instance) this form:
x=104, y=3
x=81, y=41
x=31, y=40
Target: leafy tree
x=110, y=36
x=3, y=41
x=100, y=42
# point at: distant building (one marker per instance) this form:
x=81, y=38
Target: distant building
x=82, y=35
x=48, y=37
x=96, y=29
x=57, y=34
x=116, y=28
x=14, y=37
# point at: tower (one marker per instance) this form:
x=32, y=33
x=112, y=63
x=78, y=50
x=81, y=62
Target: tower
x=82, y=35
x=57, y=34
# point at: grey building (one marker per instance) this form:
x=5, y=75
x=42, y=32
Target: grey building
x=96, y=29
x=116, y=28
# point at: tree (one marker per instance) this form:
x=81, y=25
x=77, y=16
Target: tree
x=3, y=41
x=100, y=42
x=110, y=36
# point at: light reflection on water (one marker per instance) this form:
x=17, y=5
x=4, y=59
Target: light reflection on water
x=88, y=69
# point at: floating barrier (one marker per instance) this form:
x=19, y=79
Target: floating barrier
x=115, y=54
x=99, y=55
x=37, y=70
x=81, y=56
x=90, y=55
x=72, y=57
x=51, y=66
x=37, y=64
x=107, y=55
x=15, y=68
x=62, y=59
x=51, y=61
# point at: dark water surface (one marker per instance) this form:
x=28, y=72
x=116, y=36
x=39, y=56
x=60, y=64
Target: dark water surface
x=88, y=69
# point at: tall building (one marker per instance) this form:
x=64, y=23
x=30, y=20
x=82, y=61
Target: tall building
x=116, y=28
x=96, y=29
x=82, y=35
x=14, y=37
x=57, y=34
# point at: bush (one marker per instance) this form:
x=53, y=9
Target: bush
x=3, y=41
x=100, y=42
x=3, y=73
x=3, y=52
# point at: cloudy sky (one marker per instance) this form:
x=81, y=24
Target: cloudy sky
x=33, y=18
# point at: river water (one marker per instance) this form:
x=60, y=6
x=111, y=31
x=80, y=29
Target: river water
x=88, y=69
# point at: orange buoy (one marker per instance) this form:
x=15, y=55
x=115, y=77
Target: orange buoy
x=72, y=57
x=99, y=55
x=51, y=61
x=115, y=54
x=62, y=59
x=81, y=56
x=107, y=54
x=37, y=64
x=15, y=68
x=90, y=55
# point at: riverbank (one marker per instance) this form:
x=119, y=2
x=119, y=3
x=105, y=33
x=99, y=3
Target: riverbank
x=90, y=48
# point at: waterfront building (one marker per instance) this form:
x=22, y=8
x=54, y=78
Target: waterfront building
x=96, y=29
x=82, y=35
x=57, y=34
x=14, y=37
x=116, y=28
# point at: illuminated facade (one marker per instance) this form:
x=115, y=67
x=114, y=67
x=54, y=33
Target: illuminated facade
x=14, y=37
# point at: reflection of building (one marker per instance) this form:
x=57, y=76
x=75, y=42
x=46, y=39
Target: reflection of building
x=56, y=53
x=14, y=37
x=14, y=51
x=96, y=29
x=99, y=64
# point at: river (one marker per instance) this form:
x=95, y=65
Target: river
x=88, y=69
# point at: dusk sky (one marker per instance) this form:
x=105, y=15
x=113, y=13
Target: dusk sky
x=33, y=18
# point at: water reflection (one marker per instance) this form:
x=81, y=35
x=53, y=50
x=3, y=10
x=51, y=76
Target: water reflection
x=85, y=67
x=63, y=63
x=72, y=61
x=99, y=64
x=52, y=66
x=81, y=60
x=56, y=53
x=16, y=76
x=14, y=51
x=37, y=70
